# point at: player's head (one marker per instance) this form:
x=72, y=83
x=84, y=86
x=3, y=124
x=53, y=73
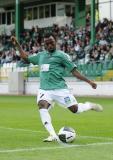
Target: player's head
x=50, y=42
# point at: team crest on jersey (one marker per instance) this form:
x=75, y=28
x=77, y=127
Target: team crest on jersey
x=67, y=100
x=44, y=67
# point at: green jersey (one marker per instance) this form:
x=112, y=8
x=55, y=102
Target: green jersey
x=52, y=68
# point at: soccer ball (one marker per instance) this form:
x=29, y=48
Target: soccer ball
x=67, y=134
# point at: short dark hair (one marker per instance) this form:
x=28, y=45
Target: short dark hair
x=47, y=35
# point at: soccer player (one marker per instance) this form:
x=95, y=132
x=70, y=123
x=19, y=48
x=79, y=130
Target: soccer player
x=52, y=64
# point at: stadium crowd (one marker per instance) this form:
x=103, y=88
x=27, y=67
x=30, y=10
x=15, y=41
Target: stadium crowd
x=75, y=42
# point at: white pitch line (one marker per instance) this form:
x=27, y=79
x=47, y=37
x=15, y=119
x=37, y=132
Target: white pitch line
x=53, y=148
x=34, y=131
x=20, y=129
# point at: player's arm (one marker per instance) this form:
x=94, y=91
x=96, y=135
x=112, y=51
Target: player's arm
x=72, y=68
x=78, y=75
x=23, y=54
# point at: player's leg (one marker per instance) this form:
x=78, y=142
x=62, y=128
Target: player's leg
x=82, y=107
x=44, y=102
x=68, y=100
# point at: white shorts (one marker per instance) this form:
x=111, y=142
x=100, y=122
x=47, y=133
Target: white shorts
x=62, y=96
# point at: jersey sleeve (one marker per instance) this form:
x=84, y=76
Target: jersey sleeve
x=67, y=62
x=34, y=59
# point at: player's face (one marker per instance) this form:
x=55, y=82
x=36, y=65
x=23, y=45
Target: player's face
x=50, y=44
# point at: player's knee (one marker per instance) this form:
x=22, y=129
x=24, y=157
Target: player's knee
x=43, y=104
x=73, y=108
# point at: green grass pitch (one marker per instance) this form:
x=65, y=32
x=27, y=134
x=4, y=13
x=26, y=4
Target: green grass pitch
x=21, y=131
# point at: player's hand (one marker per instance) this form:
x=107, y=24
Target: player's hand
x=93, y=84
x=14, y=40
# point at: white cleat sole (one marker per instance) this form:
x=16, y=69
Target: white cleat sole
x=51, y=139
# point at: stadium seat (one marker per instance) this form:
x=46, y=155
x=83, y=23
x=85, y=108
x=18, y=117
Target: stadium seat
x=110, y=65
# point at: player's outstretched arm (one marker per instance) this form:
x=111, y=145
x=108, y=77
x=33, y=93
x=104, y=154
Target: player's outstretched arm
x=23, y=54
x=78, y=75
